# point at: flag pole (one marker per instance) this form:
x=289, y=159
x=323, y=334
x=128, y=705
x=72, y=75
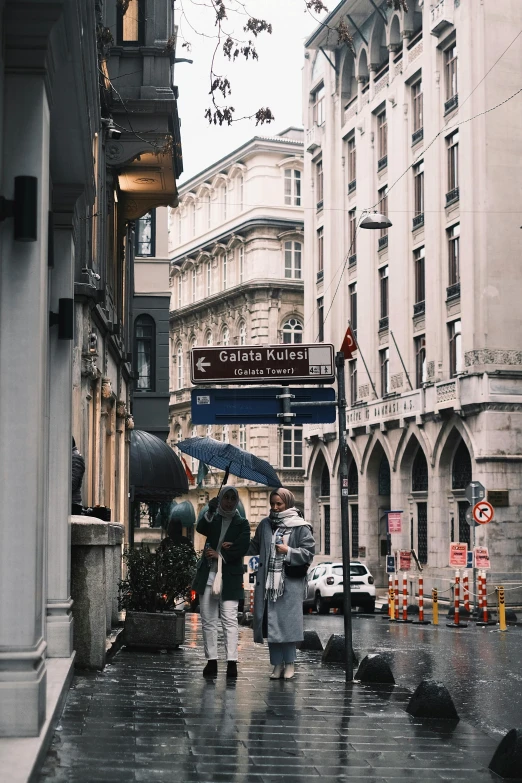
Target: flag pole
x=365, y=365
x=400, y=357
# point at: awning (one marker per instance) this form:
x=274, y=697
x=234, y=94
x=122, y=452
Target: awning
x=156, y=473
x=183, y=513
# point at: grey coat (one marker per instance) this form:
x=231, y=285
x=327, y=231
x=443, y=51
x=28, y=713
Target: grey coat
x=284, y=616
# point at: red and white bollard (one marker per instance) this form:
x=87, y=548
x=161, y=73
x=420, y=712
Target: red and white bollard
x=390, y=588
x=483, y=601
x=404, y=598
x=252, y=601
x=421, y=620
x=396, y=596
x=457, y=623
x=465, y=592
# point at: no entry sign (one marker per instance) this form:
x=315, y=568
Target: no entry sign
x=263, y=364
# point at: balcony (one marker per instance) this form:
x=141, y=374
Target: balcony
x=451, y=104
x=313, y=138
x=417, y=136
x=453, y=291
x=352, y=186
x=319, y=205
x=452, y=197
x=383, y=242
x=352, y=260
x=320, y=275
x=419, y=308
x=384, y=323
x=441, y=16
x=418, y=221
x=382, y=163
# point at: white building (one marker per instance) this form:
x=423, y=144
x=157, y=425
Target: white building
x=236, y=248
x=408, y=124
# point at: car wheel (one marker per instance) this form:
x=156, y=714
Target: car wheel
x=369, y=608
x=320, y=606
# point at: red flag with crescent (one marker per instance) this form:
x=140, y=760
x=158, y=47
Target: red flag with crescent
x=349, y=344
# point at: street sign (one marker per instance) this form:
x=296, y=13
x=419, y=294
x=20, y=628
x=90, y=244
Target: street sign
x=482, y=557
x=404, y=560
x=262, y=405
x=263, y=364
x=483, y=512
x=475, y=491
x=469, y=564
x=390, y=564
x=458, y=555
x=394, y=521
x=253, y=563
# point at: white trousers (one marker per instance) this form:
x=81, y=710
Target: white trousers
x=211, y=607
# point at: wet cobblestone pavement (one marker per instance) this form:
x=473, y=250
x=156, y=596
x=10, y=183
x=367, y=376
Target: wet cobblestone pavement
x=152, y=717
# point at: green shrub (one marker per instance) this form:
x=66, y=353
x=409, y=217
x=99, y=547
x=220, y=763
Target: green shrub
x=157, y=580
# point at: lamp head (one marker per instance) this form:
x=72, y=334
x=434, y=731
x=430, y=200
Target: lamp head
x=375, y=220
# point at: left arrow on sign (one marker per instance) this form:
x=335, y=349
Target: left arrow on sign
x=201, y=364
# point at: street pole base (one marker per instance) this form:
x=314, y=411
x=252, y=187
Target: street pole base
x=403, y=621
x=454, y=625
x=421, y=622
x=482, y=623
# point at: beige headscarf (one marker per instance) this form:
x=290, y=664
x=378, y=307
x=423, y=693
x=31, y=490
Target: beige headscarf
x=286, y=496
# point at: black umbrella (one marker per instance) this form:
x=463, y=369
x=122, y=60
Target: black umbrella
x=156, y=472
x=231, y=459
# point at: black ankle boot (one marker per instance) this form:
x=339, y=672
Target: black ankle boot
x=232, y=670
x=210, y=669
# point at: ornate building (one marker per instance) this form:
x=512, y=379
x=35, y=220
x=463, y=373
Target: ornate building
x=236, y=278
x=410, y=122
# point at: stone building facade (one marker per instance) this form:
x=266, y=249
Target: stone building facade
x=409, y=123
x=237, y=279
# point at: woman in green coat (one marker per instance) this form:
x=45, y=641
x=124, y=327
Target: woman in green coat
x=228, y=538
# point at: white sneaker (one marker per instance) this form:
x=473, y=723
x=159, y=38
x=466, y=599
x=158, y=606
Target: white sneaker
x=289, y=671
x=277, y=672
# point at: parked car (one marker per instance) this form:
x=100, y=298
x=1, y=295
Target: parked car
x=325, y=587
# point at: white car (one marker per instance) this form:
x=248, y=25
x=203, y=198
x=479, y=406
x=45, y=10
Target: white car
x=325, y=587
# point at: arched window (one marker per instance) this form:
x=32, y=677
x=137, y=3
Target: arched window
x=208, y=339
x=225, y=271
x=384, y=476
x=353, y=479
x=193, y=283
x=145, y=352
x=293, y=331
x=461, y=468
x=225, y=337
x=179, y=360
x=242, y=333
x=209, y=278
x=325, y=482
x=419, y=473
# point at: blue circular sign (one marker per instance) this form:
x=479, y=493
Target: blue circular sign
x=253, y=563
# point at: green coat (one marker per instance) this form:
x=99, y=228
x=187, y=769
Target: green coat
x=239, y=534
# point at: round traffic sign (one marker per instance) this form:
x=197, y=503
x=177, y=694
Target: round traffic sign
x=254, y=563
x=483, y=512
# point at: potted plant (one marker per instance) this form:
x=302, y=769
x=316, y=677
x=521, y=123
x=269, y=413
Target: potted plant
x=155, y=583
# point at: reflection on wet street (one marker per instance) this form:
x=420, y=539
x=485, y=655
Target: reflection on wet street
x=481, y=667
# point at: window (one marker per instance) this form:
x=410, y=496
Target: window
x=318, y=105
x=352, y=162
x=420, y=285
x=450, y=71
x=461, y=472
x=382, y=140
x=420, y=361
x=242, y=437
x=209, y=277
x=225, y=271
x=454, y=255
x=292, y=447
x=242, y=333
x=209, y=431
x=293, y=260
x=325, y=482
x=354, y=508
x=327, y=528
x=241, y=263
x=144, y=351
x=417, y=101
x=225, y=435
x=319, y=180
x=320, y=249
x=293, y=331
x=225, y=337
x=384, y=357
x=353, y=479
x=419, y=473
x=352, y=369
x=384, y=477
x=180, y=290
x=418, y=195
x=352, y=295
x=130, y=24
x=320, y=319
x=422, y=532
x=384, y=288
x=180, y=366
x=293, y=187
x=455, y=348
x=452, y=144
x=241, y=185
x=352, y=223
x=464, y=527
x=193, y=283
x=383, y=208
x=208, y=339
x=145, y=236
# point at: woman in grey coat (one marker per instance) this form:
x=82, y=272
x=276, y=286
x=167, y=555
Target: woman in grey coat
x=283, y=537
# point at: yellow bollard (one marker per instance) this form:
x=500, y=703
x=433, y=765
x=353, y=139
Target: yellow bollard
x=392, y=605
x=501, y=609
x=435, y=600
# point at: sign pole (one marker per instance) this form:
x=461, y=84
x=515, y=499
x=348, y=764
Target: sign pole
x=345, y=530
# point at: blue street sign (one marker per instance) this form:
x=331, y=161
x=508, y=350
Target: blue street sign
x=253, y=563
x=469, y=564
x=260, y=405
x=390, y=564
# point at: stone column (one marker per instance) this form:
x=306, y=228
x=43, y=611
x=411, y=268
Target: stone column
x=24, y=327
x=59, y=603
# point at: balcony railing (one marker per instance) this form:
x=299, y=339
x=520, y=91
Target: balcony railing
x=384, y=322
x=382, y=163
x=451, y=103
x=453, y=291
x=417, y=136
x=313, y=138
x=320, y=275
x=352, y=260
x=352, y=186
x=419, y=308
x=383, y=242
x=418, y=221
x=452, y=196
x=441, y=16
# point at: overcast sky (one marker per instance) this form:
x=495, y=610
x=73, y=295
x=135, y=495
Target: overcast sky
x=274, y=80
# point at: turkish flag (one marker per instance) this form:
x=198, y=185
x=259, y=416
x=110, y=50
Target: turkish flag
x=190, y=475
x=349, y=344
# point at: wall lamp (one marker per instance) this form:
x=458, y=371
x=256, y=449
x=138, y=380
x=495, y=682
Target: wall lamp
x=64, y=319
x=23, y=208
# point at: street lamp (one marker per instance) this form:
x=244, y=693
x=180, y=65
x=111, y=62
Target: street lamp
x=372, y=220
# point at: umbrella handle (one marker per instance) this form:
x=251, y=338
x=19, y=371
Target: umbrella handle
x=225, y=479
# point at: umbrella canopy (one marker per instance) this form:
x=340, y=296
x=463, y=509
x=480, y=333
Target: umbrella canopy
x=156, y=473
x=224, y=456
